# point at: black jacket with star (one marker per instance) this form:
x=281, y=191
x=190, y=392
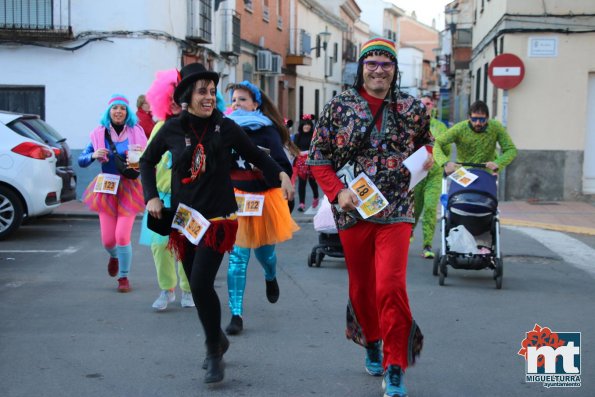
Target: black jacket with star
x=212, y=192
x=244, y=176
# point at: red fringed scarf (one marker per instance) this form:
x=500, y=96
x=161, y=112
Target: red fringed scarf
x=220, y=236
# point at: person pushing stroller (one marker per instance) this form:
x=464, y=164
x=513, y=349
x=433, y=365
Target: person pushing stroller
x=476, y=140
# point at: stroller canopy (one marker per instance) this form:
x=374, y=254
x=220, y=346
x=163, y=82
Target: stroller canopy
x=477, y=198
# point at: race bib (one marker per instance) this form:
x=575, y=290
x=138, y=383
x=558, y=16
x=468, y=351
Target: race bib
x=249, y=204
x=191, y=223
x=107, y=183
x=371, y=200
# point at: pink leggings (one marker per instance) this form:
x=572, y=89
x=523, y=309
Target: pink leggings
x=115, y=230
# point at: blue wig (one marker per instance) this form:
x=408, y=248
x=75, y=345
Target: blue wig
x=118, y=99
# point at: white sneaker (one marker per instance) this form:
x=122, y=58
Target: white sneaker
x=164, y=298
x=187, y=300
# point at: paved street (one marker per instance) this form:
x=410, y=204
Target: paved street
x=65, y=331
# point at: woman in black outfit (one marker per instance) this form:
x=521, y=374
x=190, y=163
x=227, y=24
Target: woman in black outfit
x=302, y=140
x=201, y=141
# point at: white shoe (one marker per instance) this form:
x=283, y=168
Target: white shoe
x=165, y=297
x=187, y=300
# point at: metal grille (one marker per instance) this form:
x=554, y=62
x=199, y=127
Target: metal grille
x=26, y=14
x=205, y=19
x=200, y=20
x=45, y=20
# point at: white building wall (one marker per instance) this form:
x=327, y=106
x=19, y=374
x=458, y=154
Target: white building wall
x=410, y=68
x=312, y=77
x=373, y=15
x=79, y=83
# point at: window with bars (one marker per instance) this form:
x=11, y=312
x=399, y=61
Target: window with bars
x=36, y=20
x=200, y=20
x=26, y=14
x=247, y=71
x=205, y=19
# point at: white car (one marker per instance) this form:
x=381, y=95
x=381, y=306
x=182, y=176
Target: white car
x=29, y=185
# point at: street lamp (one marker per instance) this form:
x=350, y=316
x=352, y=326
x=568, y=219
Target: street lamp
x=324, y=38
x=449, y=16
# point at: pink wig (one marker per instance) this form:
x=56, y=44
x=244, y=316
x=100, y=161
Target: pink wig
x=161, y=92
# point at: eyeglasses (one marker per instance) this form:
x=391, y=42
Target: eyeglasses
x=373, y=65
x=478, y=119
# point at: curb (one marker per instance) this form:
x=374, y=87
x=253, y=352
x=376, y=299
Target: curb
x=549, y=226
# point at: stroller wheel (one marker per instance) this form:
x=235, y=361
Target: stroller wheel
x=437, y=260
x=442, y=270
x=319, y=258
x=311, y=258
x=441, y=277
x=498, y=272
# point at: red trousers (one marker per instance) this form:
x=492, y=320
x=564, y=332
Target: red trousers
x=376, y=258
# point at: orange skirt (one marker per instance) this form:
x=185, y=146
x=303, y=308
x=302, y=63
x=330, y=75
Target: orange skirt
x=274, y=226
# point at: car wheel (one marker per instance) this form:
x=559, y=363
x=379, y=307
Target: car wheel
x=11, y=212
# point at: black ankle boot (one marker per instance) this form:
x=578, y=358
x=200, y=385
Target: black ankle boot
x=223, y=346
x=272, y=290
x=236, y=325
x=215, y=369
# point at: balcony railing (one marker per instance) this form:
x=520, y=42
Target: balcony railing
x=298, y=53
x=35, y=20
x=349, y=51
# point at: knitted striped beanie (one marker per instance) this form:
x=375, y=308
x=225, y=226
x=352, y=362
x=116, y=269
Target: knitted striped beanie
x=118, y=99
x=378, y=44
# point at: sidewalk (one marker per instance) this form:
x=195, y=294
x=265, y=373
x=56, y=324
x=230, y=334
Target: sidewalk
x=563, y=216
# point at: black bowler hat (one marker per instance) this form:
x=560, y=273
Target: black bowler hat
x=191, y=73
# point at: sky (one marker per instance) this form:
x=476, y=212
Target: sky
x=426, y=10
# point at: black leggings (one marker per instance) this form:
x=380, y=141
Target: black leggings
x=302, y=188
x=201, y=265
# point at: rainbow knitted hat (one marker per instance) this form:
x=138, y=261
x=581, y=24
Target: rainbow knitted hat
x=378, y=44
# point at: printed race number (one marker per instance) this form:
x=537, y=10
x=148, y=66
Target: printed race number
x=362, y=189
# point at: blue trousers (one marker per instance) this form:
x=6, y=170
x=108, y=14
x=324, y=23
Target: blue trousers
x=236, y=273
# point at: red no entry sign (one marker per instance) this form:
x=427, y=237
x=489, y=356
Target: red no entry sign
x=506, y=71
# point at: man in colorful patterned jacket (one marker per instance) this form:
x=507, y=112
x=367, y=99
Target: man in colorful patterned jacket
x=376, y=248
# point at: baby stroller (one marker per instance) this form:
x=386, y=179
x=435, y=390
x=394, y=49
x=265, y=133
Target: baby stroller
x=328, y=236
x=475, y=208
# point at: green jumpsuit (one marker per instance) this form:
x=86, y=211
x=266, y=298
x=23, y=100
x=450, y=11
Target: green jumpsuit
x=427, y=191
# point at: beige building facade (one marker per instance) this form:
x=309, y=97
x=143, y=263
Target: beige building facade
x=319, y=78
x=549, y=115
